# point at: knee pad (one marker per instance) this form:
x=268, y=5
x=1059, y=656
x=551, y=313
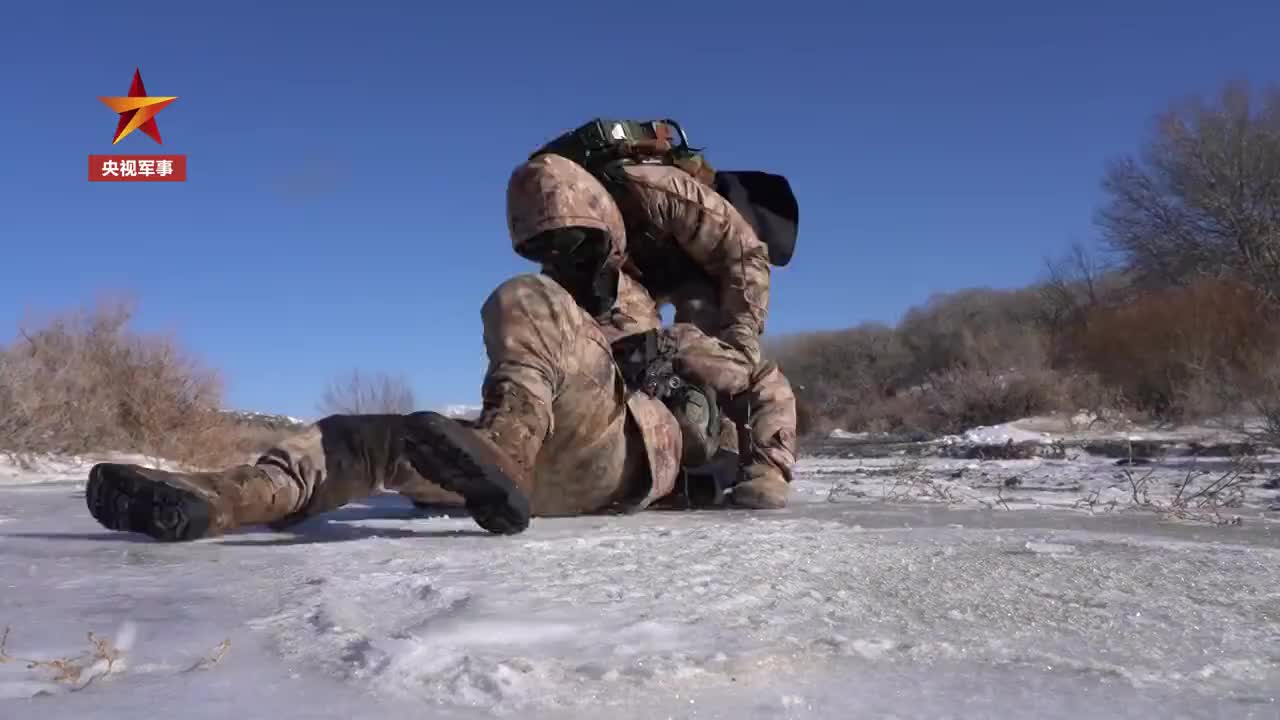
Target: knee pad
x=698, y=415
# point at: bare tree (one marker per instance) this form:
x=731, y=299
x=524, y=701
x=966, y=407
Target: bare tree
x=1074, y=283
x=1077, y=277
x=1203, y=197
x=357, y=393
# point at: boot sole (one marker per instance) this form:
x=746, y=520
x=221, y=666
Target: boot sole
x=120, y=498
x=449, y=453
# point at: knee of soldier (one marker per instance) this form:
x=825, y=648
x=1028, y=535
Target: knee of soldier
x=531, y=314
x=768, y=380
x=685, y=333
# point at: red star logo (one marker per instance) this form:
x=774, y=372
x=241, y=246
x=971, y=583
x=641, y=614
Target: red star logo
x=137, y=110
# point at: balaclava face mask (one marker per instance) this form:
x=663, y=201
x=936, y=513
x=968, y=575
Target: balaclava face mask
x=576, y=258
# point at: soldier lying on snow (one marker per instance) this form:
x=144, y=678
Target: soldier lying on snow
x=589, y=404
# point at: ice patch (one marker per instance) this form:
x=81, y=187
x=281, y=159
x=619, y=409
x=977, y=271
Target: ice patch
x=1049, y=548
x=839, y=434
x=998, y=435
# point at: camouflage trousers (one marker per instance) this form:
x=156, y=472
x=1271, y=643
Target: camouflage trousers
x=601, y=447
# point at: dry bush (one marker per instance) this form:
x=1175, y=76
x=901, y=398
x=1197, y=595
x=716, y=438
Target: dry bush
x=236, y=443
x=957, y=399
x=875, y=378
x=1075, y=284
x=84, y=382
x=360, y=394
x=963, y=398
x=1179, y=353
x=831, y=371
x=976, y=328
x=1262, y=398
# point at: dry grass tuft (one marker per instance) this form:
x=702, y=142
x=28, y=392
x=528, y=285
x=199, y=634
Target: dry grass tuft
x=100, y=660
x=77, y=672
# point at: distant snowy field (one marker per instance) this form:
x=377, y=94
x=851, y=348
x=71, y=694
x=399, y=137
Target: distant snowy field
x=892, y=587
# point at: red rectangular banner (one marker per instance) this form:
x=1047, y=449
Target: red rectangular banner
x=137, y=168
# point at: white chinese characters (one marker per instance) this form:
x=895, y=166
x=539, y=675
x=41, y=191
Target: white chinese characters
x=136, y=168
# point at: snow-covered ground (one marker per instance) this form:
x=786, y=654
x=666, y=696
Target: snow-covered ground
x=1215, y=490
x=968, y=595
x=461, y=411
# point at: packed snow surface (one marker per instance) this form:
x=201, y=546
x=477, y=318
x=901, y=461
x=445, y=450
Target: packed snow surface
x=840, y=606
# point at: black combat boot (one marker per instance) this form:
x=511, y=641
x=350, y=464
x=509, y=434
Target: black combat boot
x=488, y=461
x=183, y=506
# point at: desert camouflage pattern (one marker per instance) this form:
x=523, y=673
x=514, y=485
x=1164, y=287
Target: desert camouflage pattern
x=721, y=310
x=560, y=399
x=689, y=216
x=551, y=191
x=340, y=459
x=539, y=340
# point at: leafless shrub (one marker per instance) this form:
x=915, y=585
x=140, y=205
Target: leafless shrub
x=970, y=357
x=978, y=329
x=85, y=382
x=909, y=479
x=1263, y=399
x=358, y=393
x=1093, y=502
x=1074, y=285
x=1201, y=496
x=963, y=398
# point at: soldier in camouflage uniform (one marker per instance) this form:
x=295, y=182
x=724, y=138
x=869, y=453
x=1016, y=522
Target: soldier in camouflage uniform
x=560, y=434
x=561, y=431
x=682, y=244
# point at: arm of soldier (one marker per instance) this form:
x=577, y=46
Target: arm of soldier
x=709, y=361
x=745, y=298
x=720, y=240
x=728, y=249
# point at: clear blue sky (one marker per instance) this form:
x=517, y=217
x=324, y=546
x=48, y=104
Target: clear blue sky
x=348, y=160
